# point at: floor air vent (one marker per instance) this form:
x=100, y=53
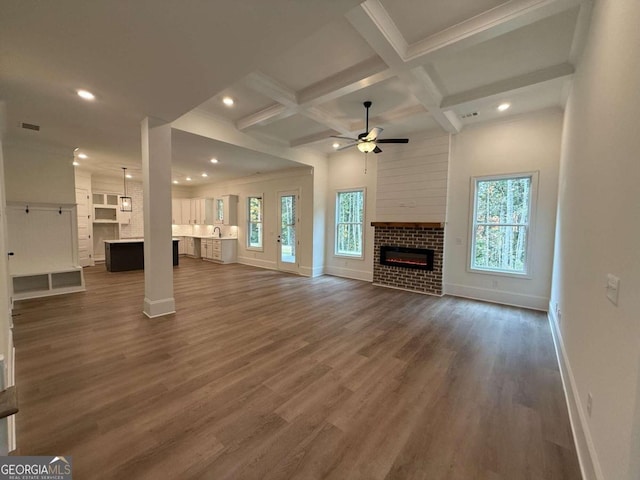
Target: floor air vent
x=30, y=126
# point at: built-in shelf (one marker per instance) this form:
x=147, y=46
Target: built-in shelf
x=44, y=284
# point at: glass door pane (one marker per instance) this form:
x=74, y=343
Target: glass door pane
x=288, y=229
x=288, y=232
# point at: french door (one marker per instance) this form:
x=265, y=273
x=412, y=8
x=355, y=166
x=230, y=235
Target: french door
x=288, y=216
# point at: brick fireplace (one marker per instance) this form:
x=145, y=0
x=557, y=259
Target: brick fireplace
x=410, y=237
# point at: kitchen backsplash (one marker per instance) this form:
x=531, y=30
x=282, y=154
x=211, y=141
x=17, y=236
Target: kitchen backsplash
x=204, y=230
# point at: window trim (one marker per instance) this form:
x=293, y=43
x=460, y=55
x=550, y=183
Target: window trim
x=335, y=223
x=249, y=222
x=533, y=200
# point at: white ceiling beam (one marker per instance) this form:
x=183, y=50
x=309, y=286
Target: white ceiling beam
x=324, y=118
x=206, y=125
x=313, y=138
x=386, y=26
x=389, y=117
x=580, y=32
x=376, y=27
x=269, y=87
x=510, y=85
x=264, y=117
x=490, y=24
x=357, y=77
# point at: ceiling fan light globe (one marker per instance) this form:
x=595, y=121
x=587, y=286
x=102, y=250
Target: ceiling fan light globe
x=366, y=147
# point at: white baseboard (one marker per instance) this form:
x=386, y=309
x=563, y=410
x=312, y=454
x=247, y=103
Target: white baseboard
x=257, y=262
x=317, y=271
x=11, y=422
x=159, y=308
x=497, y=296
x=349, y=273
x=589, y=465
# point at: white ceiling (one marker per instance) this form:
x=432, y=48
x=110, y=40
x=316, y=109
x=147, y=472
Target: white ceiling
x=298, y=71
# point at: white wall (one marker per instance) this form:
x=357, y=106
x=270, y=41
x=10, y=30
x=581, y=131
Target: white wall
x=38, y=174
x=269, y=185
x=346, y=170
x=519, y=144
x=108, y=184
x=598, y=233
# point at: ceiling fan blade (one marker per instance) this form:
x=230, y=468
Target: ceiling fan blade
x=377, y=149
x=392, y=140
x=345, y=146
x=373, y=134
x=344, y=138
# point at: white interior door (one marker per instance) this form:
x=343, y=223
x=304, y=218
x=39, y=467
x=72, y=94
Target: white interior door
x=85, y=245
x=288, y=216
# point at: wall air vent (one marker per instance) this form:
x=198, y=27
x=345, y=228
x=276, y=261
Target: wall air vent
x=30, y=126
x=469, y=115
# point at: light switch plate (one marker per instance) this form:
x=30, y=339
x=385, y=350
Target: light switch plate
x=613, y=284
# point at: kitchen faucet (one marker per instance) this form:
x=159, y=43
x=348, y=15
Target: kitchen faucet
x=219, y=232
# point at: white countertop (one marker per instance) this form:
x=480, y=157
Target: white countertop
x=209, y=236
x=133, y=240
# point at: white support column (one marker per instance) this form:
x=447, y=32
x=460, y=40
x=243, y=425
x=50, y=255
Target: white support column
x=158, y=248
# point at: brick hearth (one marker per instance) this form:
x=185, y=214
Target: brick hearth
x=411, y=235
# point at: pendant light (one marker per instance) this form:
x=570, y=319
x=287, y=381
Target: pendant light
x=125, y=202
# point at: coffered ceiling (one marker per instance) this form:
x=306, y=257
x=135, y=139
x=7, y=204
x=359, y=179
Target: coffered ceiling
x=297, y=76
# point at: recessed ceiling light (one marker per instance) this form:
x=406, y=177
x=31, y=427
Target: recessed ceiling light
x=76, y=163
x=336, y=145
x=228, y=101
x=83, y=156
x=175, y=181
x=128, y=175
x=188, y=179
x=503, y=106
x=87, y=95
x=205, y=175
x=214, y=160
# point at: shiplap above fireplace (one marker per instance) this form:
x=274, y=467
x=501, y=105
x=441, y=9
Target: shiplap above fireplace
x=412, y=181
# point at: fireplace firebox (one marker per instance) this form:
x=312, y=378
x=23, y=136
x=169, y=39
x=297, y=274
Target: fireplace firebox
x=418, y=258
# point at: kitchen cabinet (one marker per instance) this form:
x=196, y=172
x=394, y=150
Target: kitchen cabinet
x=192, y=211
x=209, y=211
x=185, y=207
x=198, y=210
x=106, y=217
x=176, y=211
x=106, y=199
x=182, y=246
x=220, y=250
x=193, y=247
x=227, y=210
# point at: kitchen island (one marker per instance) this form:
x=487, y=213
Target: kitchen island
x=128, y=254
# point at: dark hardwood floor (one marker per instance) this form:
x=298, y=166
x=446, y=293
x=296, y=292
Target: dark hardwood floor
x=272, y=376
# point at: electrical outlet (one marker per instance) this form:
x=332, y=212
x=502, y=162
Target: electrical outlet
x=612, y=286
x=494, y=283
x=589, y=403
x=458, y=241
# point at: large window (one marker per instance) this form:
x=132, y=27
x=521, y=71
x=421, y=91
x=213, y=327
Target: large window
x=500, y=236
x=254, y=227
x=349, y=223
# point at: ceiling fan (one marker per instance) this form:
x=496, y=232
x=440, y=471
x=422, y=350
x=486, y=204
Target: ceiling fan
x=368, y=141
